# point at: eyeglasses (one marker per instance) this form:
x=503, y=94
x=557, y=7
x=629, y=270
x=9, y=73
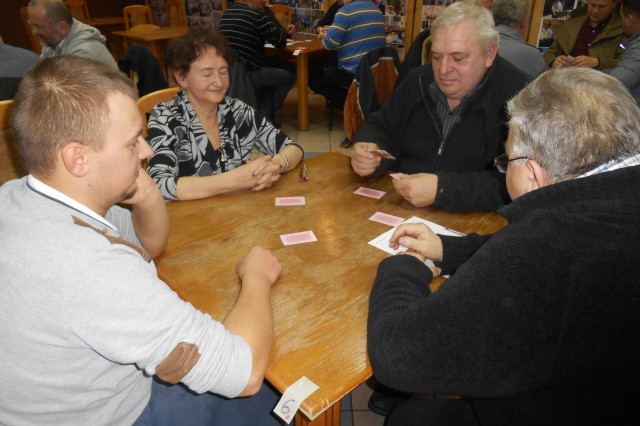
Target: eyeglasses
x=41, y=27
x=501, y=162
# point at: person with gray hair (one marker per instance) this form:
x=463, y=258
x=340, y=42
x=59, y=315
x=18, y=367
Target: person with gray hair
x=510, y=17
x=537, y=323
x=446, y=121
x=63, y=35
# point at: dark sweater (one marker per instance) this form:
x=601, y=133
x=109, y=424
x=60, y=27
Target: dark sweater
x=540, y=325
x=407, y=126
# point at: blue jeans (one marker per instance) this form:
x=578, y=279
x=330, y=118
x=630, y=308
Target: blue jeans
x=271, y=85
x=176, y=405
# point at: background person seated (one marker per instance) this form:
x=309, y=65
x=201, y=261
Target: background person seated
x=588, y=41
x=358, y=28
x=14, y=63
x=510, y=17
x=247, y=28
x=202, y=140
x=538, y=323
x=628, y=69
x=63, y=35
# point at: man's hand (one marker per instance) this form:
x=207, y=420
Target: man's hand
x=147, y=191
x=585, y=62
x=563, y=61
x=418, y=237
x=259, y=266
x=291, y=29
x=364, y=162
x=419, y=189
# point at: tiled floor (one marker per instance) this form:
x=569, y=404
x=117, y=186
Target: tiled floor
x=317, y=140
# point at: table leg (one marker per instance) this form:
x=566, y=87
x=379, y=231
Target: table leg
x=303, y=93
x=331, y=417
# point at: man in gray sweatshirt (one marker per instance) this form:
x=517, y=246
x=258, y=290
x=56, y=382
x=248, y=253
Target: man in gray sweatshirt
x=62, y=35
x=86, y=325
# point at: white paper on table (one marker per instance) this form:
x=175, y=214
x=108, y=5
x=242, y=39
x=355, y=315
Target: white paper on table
x=382, y=241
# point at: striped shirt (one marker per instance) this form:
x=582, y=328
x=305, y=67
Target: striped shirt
x=247, y=30
x=357, y=29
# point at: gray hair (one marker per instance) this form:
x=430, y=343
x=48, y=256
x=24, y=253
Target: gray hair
x=469, y=11
x=572, y=120
x=510, y=12
x=63, y=99
x=55, y=10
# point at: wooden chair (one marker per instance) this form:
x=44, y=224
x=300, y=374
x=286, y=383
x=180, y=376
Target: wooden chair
x=136, y=15
x=175, y=13
x=10, y=164
x=5, y=111
x=36, y=46
x=79, y=9
x=147, y=102
x=282, y=13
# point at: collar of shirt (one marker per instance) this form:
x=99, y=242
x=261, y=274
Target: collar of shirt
x=620, y=163
x=599, y=26
x=449, y=117
x=38, y=186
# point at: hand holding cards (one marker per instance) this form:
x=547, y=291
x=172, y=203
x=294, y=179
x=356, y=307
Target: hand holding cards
x=381, y=153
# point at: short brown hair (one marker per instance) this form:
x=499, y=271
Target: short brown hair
x=184, y=51
x=60, y=100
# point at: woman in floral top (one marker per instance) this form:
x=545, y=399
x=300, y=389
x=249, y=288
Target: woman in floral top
x=202, y=139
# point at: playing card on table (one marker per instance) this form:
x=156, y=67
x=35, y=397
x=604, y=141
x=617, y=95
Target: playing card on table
x=387, y=219
x=290, y=201
x=382, y=153
x=368, y=192
x=298, y=238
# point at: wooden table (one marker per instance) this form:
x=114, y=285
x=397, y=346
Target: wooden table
x=320, y=302
x=153, y=38
x=313, y=49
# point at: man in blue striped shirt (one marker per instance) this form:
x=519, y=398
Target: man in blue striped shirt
x=357, y=29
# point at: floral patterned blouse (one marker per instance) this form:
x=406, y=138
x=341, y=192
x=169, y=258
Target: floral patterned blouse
x=181, y=146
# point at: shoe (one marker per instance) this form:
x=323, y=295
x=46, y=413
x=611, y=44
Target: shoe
x=346, y=143
x=382, y=402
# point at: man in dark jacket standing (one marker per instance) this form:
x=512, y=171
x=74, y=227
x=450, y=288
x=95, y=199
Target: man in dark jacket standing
x=538, y=323
x=446, y=121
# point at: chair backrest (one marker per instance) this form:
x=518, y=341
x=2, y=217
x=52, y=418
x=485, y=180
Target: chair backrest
x=136, y=15
x=79, y=9
x=175, y=13
x=36, y=46
x=5, y=111
x=282, y=14
x=10, y=164
x=373, y=83
x=147, y=102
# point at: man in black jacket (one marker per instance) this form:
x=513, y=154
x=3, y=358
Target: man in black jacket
x=446, y=121
x=538, y=323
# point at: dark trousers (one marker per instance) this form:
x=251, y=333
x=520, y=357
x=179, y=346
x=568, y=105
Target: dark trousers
x=176, y=405
x=331, y=82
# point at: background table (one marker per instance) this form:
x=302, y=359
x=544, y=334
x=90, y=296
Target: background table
x=155, y=39
x=320, y=302
x=312, y=49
